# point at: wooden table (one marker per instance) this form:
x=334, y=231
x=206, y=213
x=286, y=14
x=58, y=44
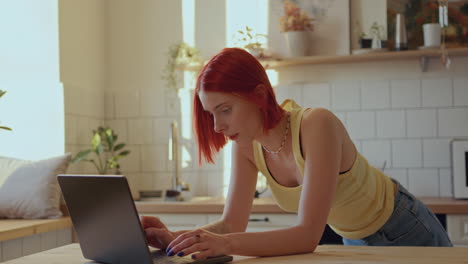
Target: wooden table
x=71, y=254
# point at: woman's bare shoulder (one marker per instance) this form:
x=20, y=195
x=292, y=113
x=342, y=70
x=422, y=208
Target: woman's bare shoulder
x=245, y=151
x=318, y=116
x=321, y=121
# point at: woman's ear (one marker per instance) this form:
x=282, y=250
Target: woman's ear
x=260, y=91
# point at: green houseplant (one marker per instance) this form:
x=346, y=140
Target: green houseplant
x=178, y=56
x=250, y=41
x=107, y=151
x=2, y=93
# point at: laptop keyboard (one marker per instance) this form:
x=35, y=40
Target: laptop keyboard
x=160, y=257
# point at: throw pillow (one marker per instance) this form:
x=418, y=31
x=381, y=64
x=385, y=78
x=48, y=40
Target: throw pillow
x=29, y=189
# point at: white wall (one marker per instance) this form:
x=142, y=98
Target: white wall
x=394, y=113
x=83, y=71
x=129, y=43
x=29, y=71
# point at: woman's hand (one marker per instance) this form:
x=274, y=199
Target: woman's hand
x=207, y=243
x=157, y=234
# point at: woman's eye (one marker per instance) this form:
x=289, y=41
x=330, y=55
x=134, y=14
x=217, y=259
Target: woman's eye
x=226, y=110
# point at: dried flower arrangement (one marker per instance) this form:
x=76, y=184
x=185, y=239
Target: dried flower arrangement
x=294, y=18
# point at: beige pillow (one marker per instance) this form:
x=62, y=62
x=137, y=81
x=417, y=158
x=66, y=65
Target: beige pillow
x=29, y=189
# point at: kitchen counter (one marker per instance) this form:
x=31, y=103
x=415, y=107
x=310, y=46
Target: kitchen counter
x=215, y=205
x=71, y=254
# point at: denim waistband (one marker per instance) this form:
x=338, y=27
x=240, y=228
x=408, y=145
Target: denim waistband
x=404, y=198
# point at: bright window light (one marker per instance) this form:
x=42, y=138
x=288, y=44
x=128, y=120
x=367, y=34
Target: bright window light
x=188, y=21
x=242, y=13
x=273, y=77
x=239, y=14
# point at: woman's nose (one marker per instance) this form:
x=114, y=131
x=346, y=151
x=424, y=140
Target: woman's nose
x=219, y=127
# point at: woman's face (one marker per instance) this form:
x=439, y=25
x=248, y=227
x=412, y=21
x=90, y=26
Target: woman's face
x=235, y=117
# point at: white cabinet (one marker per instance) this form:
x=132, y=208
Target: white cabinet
x=457, y=228
x=257, y=223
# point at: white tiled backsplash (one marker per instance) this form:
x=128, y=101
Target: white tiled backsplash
x=405, y=124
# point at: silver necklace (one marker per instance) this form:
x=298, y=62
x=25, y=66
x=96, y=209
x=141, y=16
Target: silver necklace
x=285, y=134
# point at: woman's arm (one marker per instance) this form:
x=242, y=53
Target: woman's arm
x=240, y=195
x=322, y=140
x=321, y=144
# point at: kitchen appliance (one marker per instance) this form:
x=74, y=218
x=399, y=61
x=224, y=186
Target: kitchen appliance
x=460, y=168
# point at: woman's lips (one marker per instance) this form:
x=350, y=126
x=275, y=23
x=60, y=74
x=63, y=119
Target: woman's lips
x=234, y=137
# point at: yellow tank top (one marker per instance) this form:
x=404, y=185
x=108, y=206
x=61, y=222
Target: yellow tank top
x=364, y=195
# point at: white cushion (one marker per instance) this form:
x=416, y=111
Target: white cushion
x=29, y=189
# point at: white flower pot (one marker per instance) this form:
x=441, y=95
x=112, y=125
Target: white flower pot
x=297, y=43
x=432, y=33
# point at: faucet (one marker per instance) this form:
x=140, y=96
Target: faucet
x=177, y=184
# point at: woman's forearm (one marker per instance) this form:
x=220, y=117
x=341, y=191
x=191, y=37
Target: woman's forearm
x=218, y=227
x=286, y=241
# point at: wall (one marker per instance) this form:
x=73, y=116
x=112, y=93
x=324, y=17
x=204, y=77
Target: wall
x=116, y=80
x=83, y=72
x=395, y=113
x=29, y=71
x=138, y=104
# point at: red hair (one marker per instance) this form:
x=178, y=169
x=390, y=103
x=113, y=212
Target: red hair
x=233, y=71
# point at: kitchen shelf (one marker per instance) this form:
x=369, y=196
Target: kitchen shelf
x=422, y=55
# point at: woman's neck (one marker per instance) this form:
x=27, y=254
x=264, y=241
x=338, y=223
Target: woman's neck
x=275, y=138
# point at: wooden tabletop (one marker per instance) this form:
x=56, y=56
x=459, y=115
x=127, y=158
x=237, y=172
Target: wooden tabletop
x=71, y=254
x=439, y=205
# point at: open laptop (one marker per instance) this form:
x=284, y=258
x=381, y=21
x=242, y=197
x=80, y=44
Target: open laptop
x=107, y=223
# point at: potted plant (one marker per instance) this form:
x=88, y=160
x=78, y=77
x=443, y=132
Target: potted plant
x=251, y=41
x=295, y=24
x=180, y=55
x=374, y=39
x=428, y=19
x=378, y=36
x=2, y=93
x=107, y=151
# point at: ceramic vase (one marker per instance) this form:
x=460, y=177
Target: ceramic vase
x=432, y=33
x=297, y=43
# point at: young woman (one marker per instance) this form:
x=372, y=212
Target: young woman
x=311, y=165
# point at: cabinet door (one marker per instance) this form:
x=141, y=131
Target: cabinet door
x=457, y=228
x=176, y=222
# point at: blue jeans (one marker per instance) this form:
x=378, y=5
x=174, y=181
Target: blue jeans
x=411, y=224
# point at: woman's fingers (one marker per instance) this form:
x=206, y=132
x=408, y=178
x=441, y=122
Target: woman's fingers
x=193, y=242
x=151, y=221
x=158, y=237
x=182, y=237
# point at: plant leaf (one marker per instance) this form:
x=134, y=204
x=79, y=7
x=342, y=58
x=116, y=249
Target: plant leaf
x=119, y=146
x=124, y=153
x=6, y=128
x=96, y=143
x=109, y=138
x=81, y=155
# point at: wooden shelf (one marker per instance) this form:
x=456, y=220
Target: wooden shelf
x=422, y=55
